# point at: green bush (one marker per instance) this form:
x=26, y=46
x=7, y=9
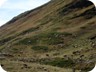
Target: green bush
x=40, y=48
x=67, y=34
x=83, y=27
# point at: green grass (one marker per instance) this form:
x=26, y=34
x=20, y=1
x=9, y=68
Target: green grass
x=45, y=20
x=51, y=38
x=15, y=50
x=5, y=40
x=54, y=38
x=29, y=30
x=60, y=62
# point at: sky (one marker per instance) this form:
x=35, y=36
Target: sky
x=12, y=8
x=94, y=1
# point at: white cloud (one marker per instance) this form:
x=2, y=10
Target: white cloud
x=1, y=69
x=2, y=2
x=2, y=22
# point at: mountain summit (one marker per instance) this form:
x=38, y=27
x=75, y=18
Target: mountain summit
x=56, y=37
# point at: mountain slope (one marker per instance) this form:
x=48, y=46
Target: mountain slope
x=56, y=37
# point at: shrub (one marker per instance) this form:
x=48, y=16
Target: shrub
x=67, y=34
x=40, y=48
x=83, y=27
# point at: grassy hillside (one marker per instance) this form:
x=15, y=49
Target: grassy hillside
x=56, y=37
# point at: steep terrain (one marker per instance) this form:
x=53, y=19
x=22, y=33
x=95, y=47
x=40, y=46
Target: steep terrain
x=59, y=36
